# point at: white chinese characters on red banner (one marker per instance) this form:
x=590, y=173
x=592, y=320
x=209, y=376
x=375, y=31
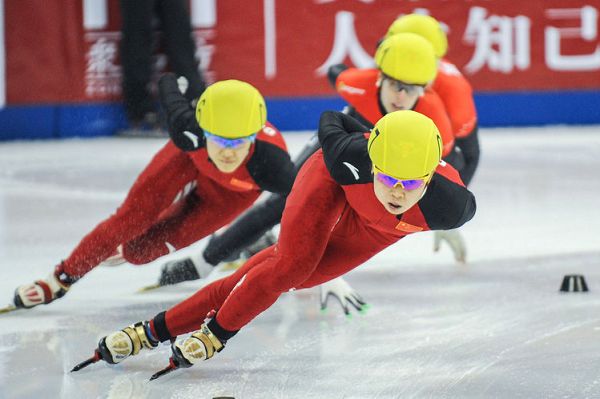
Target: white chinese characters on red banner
x=284, y=47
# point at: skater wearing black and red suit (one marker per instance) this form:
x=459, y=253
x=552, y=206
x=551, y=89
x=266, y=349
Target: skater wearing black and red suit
x=352, y=199
x=231, y=155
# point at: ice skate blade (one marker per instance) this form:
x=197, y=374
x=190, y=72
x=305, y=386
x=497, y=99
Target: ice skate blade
x=87, y=362
x=171, y=367
x=147, y=288
x=8, y=308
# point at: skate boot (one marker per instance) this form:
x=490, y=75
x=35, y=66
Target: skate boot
x=43, y=291
x=185, y=269
x=201, y=345
x=118, y=346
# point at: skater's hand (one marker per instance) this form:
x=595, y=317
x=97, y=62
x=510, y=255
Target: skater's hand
x=342, y=291
x=454, y=241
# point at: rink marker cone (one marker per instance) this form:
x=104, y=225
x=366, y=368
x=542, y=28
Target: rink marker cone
x=574, y=283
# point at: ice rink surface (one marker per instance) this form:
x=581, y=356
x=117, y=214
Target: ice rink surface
x=495, y=328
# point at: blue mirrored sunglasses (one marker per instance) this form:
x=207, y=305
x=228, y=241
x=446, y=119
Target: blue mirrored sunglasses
x=391, y=182
x=229, y=143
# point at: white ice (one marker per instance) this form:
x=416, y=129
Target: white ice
x=495, y=328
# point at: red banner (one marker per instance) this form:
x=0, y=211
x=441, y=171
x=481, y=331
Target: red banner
x=68, y=51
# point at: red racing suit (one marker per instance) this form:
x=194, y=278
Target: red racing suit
x=331, y=224
x=457, y=96
x=181, y=197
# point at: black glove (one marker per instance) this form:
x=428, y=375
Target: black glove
x=184, y=130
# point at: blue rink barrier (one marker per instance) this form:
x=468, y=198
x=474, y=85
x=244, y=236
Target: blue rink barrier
x=538, y=108
x=493, y=109
x=301, y=113
x=60, y=121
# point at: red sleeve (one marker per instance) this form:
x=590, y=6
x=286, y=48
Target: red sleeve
x=431, y=105
x=457, y=95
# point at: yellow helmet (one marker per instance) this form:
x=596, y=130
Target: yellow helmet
x=231, y=109
x=405, y=145
x=424, y=26
x=407, y=57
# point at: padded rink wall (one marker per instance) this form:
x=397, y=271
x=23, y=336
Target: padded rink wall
x=530, y=63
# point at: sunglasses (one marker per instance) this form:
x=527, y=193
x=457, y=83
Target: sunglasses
x=229, y=143
x=408, y=88
x=391, y=182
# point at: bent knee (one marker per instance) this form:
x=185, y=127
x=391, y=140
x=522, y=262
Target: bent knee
x=136, y=255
